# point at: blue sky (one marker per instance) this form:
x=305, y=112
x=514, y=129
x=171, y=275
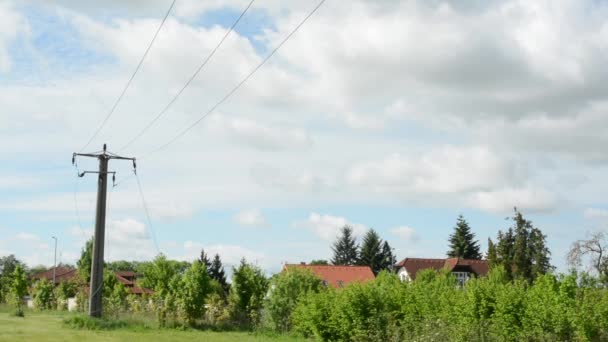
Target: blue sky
x=396, y=115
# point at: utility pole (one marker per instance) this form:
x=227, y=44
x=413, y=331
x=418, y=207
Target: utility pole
x=55, y=261
x=96, y=287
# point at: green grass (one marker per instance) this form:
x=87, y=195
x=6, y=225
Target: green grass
x=50, y=326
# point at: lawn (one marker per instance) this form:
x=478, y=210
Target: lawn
x=49, y=326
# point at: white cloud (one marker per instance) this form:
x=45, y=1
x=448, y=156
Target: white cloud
x=11, y=25
x=503, y=200
x=328, y=227
x=261, y=136
x=596, y=213
x=251, y=218
x=406, y=233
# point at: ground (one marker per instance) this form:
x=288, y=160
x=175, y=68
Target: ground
x=40, y=326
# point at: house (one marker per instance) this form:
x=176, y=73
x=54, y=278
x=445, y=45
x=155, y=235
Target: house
x=336, y=276
x=62, y=273
x=462, y=269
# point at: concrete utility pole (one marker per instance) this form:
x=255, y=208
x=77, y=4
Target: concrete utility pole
x=55, y=261
x=96, y=287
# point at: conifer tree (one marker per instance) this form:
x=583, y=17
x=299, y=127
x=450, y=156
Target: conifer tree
x=521, y=250
x=462, y=241
x=204, y=259
x=216, y=271
x=388, y=258
x=345, y=248
x=371, y=251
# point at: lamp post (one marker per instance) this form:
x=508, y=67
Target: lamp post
x=54, y=260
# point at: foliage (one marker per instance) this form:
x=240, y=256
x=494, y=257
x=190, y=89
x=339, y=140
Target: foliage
x=217, y=273
x=157, y=274
x=121, y=265
x=7, y=267
x=85, y=262
x=319, y=262
x=65, y=290
x=114, y=295
x=192, y=292
x=249, y=287
x=345, y=248
x=44, y=297
x=388, y=258
x=204, y=259
x=286, y=291
x=521, y=250
x=370, y=253
x=18, y=288
x=462, y=241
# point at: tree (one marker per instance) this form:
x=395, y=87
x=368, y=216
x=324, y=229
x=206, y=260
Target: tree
x=521, y=250
x=158, y=274
x=216, y=272
x=595, y=249
x=371, y=251
x=287, y=290
x=193, y=292
x=345, y=248
x=85, y=261
x=204, y=259
x=462, y=241
x=320, y=262
x=388, y=258
x=249, y=287
x=18, y=288
x=7, y=267
x=44, y=298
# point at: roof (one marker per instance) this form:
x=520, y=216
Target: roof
x=413, y=265
x=62, y=273
x=127, y=278
x=337, y=276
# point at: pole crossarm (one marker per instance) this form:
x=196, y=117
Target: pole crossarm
x=96, y=286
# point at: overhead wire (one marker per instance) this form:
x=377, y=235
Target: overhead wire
x=145, y=205
x=128, y=84
x=192, y=77
x=235, y=88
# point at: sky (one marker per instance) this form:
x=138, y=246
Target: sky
x=396, y=115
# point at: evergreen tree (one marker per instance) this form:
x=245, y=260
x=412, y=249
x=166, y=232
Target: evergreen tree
x=521, y=250
x=388, y=258
x=204, y=259
x=462, y=241
x=345, y=248
x=216, y=272
x=371, y=251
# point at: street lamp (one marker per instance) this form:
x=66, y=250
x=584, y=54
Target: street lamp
x=54, y=260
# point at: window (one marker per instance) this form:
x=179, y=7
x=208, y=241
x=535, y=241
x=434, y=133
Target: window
x=462, y=277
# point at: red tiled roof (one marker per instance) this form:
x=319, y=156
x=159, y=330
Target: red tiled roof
x=66, y=274
x=413, y=265
x=62, y=273
x=338, y=276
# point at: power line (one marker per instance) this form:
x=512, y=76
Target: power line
x=122, y=94
x=231, y=92
x=143, y=200
x=198, y=70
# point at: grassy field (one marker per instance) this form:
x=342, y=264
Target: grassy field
x=45, y=326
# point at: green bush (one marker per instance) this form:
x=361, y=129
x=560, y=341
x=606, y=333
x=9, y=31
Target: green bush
x=44, y=296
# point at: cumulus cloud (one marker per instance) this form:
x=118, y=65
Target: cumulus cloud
x=327, y=227
x=251, y=218
x=261, y=136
